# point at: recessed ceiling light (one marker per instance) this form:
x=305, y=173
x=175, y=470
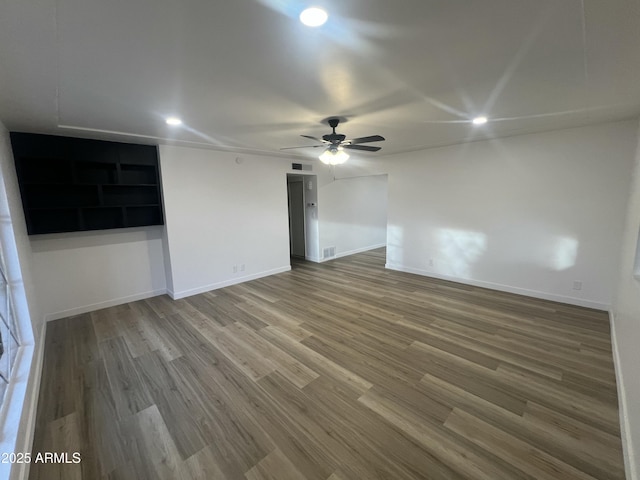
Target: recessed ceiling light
x=479, y=120
x=313, y=17
x=173, y=121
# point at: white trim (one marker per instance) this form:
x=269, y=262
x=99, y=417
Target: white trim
x=30, y=408
x=20, y=406
x=228, y=283
x=630, y=467
x=105, y=304
x=312, y=259
x=187, y=143
x=503, y=288
x=353, y=252
x=13, y=406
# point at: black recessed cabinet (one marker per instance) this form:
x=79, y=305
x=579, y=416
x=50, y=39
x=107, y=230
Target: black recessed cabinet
x=72, y=184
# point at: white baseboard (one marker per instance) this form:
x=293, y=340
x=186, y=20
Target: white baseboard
x=503, y=288
x=227, y=283
x=353, y=252
x=309, y=258
x=630, y=466
x=106, y=304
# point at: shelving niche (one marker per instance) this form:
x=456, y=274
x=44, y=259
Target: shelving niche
x=71, y=184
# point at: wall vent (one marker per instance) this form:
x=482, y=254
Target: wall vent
x=329, y=252
x=301, y=166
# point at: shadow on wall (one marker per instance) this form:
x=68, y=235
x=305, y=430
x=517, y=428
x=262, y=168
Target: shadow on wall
x=94, y=238
x=457, y=251
x=395, y=245
x=460, y=249
x=564, y=253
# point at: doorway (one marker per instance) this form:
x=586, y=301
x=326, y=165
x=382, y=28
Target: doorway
x=297, y=230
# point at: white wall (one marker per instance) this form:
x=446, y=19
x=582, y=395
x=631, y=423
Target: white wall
x=221, y=213
x=311, y=220
x=529, y=214
x=353, y=213
x=218, y=214
x=83, y=271
x=626, y=330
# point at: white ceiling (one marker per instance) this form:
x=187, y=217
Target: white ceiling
x=245, y=75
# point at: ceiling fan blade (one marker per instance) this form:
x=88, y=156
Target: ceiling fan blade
x=366, y=148
x=304, y=146
x=372, y=138
x=312, y=138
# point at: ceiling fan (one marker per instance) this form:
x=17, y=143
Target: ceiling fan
x=334, y=144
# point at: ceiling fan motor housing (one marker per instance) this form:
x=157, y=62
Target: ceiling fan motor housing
x=334, y=137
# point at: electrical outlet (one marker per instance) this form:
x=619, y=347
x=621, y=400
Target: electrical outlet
x=431, y=262
x=235, y=269
x=577, y=285
x=242, y=267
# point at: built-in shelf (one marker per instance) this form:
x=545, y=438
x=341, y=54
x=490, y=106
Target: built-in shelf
x=96, y=172
x=102, y=218
x=123, y=195
x=53, y=220
x=142, y=215
x=61, y=195
x=70, y=184
x=137, y=174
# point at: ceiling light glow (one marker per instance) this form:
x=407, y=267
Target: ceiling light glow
x=479, y=120
x=313, y=17
x=334, y=156
x=173, y=121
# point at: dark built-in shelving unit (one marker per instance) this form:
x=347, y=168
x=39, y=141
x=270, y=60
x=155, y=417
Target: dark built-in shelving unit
x=72, y=184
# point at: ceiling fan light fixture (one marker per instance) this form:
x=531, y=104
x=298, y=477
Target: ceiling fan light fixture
x=313, y=17
x=334, y=156
x=335, y=143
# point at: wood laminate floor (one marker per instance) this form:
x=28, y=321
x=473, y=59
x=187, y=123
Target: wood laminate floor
x=335, y=371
